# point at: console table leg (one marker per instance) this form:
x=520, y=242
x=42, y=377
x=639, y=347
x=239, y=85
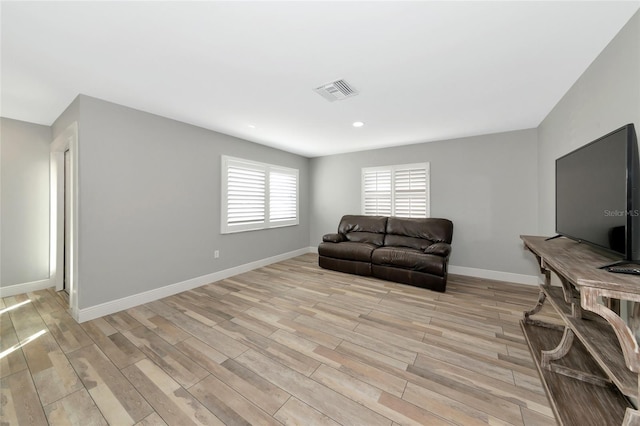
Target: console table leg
x=541, y=299
x=627, y=339
x=560, y=350
x=527, y=314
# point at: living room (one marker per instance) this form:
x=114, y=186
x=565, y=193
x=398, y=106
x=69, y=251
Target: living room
x=148, y=188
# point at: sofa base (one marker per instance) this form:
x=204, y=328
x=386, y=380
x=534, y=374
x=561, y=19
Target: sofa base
x=407, y=276
x=404, y=276
x=348, y=266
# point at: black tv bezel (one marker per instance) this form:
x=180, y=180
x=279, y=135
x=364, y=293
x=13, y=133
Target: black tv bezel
x=632, y=227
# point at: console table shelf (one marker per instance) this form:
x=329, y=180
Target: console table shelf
x=589, y=366
x=600, y=341
x=574, y=402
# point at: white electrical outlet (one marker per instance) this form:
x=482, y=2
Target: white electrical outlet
x=216, y=254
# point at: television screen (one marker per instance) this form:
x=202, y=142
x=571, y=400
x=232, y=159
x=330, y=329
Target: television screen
x=593, y=203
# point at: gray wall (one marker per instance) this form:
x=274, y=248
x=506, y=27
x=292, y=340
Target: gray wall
x=149, y=203
x=24, y=192
x=605, y=97
x=487, y=185
x=70, y=115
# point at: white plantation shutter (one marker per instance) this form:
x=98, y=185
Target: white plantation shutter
x=283, y=195
x=246, y=188
x=401, y=190
x=410, y=192
x=377, y=192
x=257, y=195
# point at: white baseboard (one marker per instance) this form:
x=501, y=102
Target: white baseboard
x=494, y=275
x=484, y=273
x=118, y=305
x=12, y=290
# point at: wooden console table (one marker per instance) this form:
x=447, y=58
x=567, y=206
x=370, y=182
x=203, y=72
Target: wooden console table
x=589, y=366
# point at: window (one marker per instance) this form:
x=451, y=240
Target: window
x=396, y=190
x=257, y=195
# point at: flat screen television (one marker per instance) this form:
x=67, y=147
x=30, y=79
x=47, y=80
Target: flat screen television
x=598, y=194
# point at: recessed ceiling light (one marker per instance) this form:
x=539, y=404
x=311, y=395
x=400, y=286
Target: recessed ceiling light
x=358, y=124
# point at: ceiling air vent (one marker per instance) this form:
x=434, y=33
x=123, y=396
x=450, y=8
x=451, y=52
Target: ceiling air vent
x=336, y=91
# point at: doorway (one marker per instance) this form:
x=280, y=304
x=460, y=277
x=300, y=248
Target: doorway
x=64, y=216
x=66, y=275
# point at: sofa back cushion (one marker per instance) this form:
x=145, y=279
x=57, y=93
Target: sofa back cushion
x=363, y=229
x=417, y=233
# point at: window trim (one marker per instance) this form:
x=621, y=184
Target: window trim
x=392, y=170
x=268, y=223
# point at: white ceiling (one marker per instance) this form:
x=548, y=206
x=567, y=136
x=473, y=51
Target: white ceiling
x=425, y=70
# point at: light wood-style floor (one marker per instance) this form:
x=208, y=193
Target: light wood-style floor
x=285, y=344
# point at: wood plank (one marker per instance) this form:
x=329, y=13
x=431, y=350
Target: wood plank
x=252, y=386
x=25, y=318
x=19, y=402
x=411, y=411
x=367, y=373
x=77, y=409
x=194, y=309
x=14, y=361
x=533, y=418
x=228, y=405
x=184, y=370
x=371, y=397
x=67, y=332
x=52, y=374
x=46, y=302
x=159, y=325
x=492, y=387
x=445, y=407
x=467, y=392
x=369, y=357
x=214, y=338
x=374, y=344
x=255, y=323
x=529, y=382
x=152, y=419
x=296, y=412
x=116, y=398
x=112, y=343
x=339, y=408
x=172, y=402
x=317, y=336
x=290, y=357
x=122, y=321
x=207, y=357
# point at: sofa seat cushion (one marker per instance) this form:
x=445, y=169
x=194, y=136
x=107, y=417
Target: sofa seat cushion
x=347, y=250
x=408, y=258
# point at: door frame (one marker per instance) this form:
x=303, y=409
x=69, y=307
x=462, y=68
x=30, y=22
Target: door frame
x=68, y=140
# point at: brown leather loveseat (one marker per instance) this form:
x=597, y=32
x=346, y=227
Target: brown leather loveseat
x=409, y=251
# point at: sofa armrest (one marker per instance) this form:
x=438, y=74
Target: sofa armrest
x=440, y=249
x=333, y=238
